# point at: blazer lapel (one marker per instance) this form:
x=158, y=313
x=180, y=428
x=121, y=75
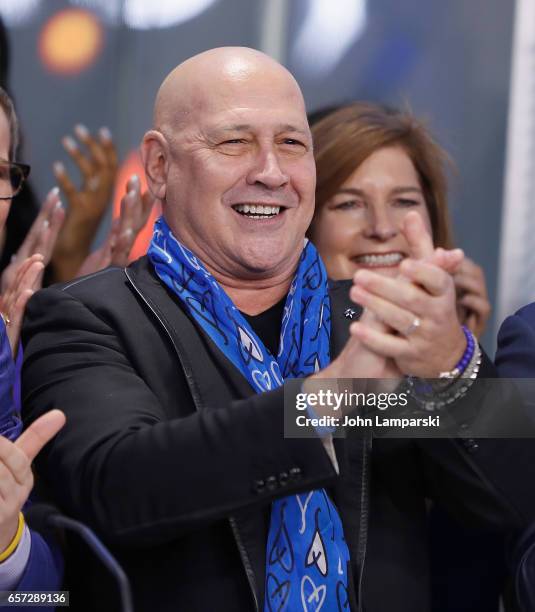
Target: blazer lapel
x=193, y=347
x=210, y=388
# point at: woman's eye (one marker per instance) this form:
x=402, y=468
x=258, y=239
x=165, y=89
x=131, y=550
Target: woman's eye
x=406, y=202
x=347, y=205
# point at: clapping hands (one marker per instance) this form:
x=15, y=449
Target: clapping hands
x=423, y=335
x=24, y=275
x=135, y=211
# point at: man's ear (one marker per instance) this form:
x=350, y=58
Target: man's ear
x=155, y=157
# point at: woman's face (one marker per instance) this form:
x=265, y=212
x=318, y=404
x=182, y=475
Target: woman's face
x=4, y=156
x=360, y=226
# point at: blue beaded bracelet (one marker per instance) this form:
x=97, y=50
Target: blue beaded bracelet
x=465, y=359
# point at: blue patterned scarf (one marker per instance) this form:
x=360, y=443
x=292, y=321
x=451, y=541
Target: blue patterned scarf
x=306, y=564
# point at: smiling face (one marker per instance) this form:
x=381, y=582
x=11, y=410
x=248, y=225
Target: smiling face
x=240, y=179
x=359, y=226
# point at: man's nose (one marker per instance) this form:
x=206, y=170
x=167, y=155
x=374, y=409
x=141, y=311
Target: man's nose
x=380, y=224
x=267, y=171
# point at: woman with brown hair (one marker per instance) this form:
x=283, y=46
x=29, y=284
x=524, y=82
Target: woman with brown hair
x=374, y=165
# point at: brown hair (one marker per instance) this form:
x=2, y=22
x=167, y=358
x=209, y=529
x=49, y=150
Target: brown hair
x=6, y=104
x=344, y=138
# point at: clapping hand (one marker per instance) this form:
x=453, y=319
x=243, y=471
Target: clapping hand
x=14, y=299
x=24, y=275
x=419, y=306
x=87, y=204
x=135, y=211
x=40, y=239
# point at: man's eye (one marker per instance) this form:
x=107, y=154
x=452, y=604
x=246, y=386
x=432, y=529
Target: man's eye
x=234, y=141
x=293, y=141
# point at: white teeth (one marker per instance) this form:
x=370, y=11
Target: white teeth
x=257, y=211
x=389, y=259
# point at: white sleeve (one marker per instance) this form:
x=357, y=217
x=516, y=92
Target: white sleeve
x=13, y=567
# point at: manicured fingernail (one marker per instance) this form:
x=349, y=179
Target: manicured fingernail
x=58, y=167
x=53, y=192
x=46, y=224
x=59, y=204
x=104, y=133
x=69, y=143
x=81, y=131
x=134, y=179
x=132, y=194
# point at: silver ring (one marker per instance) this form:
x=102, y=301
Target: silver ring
x=416, y=323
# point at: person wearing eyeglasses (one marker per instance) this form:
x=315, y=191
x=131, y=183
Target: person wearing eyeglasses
x=27, y=562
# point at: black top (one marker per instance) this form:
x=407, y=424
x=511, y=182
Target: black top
x=267, y=325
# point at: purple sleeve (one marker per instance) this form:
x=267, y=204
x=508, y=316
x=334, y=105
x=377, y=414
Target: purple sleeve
x=17, y=403
x=10, y=423
x=44, y=568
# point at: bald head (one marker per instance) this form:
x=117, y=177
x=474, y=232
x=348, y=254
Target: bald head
x=231, y=136
x=216, y=76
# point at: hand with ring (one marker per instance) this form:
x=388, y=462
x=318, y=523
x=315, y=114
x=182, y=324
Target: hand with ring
x=96, y=158
x=14, y=299
x=418, y=307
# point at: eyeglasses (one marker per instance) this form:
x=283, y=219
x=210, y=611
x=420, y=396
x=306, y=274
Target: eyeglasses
x=12, y=177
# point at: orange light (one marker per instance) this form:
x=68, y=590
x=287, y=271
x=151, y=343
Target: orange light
x=70, y=41
x=132, y=165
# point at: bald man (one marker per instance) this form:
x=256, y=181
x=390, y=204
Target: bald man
x=172, y=375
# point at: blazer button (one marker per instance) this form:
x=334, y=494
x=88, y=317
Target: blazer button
x=471, y=445
x=295, y=473
x=271, y=483
x=259, y=486
x=283, y=479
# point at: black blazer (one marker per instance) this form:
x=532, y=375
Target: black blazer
x=170, y=456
